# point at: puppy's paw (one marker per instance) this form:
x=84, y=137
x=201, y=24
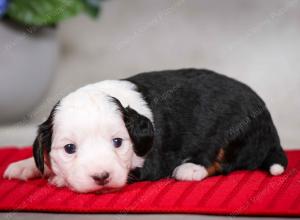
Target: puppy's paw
x=190, y=172
x=57, y=181
x=22, y=170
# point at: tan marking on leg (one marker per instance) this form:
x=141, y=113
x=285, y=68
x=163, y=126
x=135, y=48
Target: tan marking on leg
x=221, y=155
x=216, y=167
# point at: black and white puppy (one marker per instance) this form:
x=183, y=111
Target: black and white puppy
x=187, y=124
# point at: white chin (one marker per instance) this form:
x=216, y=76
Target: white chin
x=86, y=189
x=96, y=188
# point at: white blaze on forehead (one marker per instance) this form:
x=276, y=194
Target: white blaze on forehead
x=92, y=103
x=97, y=95
x=126, y=92
x=87, y=110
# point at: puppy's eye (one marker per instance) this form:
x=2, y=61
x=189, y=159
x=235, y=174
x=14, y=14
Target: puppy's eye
x=117, y=142
x=70, y=148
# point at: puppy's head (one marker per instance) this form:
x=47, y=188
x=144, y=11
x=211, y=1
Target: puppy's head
x=92, y=141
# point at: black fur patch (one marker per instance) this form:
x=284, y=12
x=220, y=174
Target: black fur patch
x=198, y=112
x=43, y=141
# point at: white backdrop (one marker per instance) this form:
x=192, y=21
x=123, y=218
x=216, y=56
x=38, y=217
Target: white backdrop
x=257, y=42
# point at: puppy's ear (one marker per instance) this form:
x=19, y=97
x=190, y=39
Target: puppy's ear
x=139, y=127
x=43, y=141
x=140, y=131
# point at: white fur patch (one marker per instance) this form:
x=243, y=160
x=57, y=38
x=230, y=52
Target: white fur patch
x=276, y=169
x=137, y=161
x=125, y=92
x=190, y=172
x=57, y=181
x=23, y=170
x=90, y=119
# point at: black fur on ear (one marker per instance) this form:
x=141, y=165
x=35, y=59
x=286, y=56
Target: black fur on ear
x=139, y=127
x=43, y=141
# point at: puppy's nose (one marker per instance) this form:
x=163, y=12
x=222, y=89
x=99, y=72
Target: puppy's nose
x=101, y=179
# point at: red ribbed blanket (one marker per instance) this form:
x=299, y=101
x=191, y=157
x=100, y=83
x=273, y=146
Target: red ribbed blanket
x=240, y=193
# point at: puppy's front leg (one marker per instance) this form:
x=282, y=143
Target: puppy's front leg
x=23, y=170
x=190, y=172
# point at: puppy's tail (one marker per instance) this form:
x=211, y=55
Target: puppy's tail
x=276, y=161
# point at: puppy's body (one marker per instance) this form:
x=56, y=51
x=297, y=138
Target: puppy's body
x=199, y=113
x=185, y=124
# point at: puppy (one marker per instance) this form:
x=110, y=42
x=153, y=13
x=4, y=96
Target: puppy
x=187, y=124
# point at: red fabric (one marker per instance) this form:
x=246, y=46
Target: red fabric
x=240, y=193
